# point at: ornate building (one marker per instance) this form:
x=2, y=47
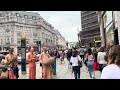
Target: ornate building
x=90, y=34
x=15, y=24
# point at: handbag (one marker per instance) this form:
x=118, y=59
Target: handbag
x=40, y=65
x=79, y=62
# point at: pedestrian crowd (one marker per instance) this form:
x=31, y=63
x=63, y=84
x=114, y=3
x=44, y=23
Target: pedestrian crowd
x=47, y=61
x=107, y=61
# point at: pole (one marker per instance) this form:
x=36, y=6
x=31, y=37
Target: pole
x=23, y=55
x=40, y=46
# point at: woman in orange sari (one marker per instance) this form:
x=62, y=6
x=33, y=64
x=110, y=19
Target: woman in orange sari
x=46, y=70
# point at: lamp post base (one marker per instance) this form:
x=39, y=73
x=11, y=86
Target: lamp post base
x=23, y=72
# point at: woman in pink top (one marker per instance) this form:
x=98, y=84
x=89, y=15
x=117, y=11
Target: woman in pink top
x=90, y=63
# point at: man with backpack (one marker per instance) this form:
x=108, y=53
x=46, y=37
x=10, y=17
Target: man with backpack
x=81, y=52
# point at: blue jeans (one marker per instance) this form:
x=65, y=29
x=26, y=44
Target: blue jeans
x=54, y=68
x=76, y=70
x=90, y=65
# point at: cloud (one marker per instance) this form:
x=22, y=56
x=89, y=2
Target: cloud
x=67, y=22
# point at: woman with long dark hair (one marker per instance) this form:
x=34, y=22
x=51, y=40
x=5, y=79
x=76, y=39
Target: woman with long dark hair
x=90, y=63
x=75, y=59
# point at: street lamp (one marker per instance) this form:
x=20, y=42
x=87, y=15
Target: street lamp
x=23, y=55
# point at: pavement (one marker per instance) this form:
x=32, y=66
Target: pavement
x=63, y=72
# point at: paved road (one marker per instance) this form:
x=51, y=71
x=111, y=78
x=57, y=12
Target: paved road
x=62, y=72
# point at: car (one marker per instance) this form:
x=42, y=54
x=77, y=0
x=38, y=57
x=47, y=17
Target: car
x=4, y=53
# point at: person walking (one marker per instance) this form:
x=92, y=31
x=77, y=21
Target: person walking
x=90, y=63
x=75, y=59
x=101, y=59
x=112, y=70
x=61, y=56
x=46, y=70
x=81, y=51
x=11, y=61
x=69, y=54
x=31, y=58
x=54, y=64
x=95, y=61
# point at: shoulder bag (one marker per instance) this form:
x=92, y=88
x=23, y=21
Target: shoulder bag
x=79, y=62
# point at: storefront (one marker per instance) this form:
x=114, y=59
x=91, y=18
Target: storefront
x=110, y=29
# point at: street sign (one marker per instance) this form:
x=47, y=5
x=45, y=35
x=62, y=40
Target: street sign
x=23, y=55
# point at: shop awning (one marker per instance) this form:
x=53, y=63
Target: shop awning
x=98, y=41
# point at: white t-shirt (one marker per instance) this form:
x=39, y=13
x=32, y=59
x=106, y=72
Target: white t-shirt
x=100, y=58
x=74, y=60
x=111, y=72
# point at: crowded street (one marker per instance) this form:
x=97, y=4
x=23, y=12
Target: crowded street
x=59, y=45
x=62, y=72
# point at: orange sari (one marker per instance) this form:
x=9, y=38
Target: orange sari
x=46, y=70
x=31, y=58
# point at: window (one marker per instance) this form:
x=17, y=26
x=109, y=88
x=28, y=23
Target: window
x=33, y=17
x=18, y=41
x=34, y=40
x=26, y=21
x=107, y=18
x=34, y=34
x=11, y=40
x=27, y=41
x=1, y=41
x=7, y=41
x=17, y=14
x=25, y=16
x=19, y=34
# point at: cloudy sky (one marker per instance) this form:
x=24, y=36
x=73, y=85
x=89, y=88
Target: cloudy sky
x=67, y=22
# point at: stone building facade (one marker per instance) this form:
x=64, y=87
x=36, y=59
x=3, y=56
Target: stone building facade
x=16, y=24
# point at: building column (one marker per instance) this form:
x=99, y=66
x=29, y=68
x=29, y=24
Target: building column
x=103, y=33
x=118, y=23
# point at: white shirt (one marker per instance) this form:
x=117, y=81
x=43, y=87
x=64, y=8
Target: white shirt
x=111, y=71
x=74, y=60
x=100, y=58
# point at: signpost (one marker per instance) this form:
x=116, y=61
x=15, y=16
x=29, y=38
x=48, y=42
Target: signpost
x=23, y=55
